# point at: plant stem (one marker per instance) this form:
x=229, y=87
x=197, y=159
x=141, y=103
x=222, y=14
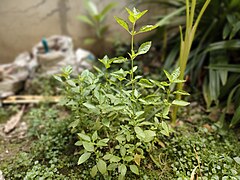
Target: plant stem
x=132, y=34
x=132, y=54
x=155, y=161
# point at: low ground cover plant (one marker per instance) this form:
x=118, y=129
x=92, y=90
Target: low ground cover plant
x=47, y=140
x=53, y=155
x=212, y=155
x=119, y=116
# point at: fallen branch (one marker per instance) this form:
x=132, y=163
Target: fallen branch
x=26, y=99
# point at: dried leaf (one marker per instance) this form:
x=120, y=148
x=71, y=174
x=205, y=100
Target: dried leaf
x=137, y=159
x=193, y=173
x=14, y=120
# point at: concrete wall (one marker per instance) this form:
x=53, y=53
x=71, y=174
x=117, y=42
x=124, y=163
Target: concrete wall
x=24, y=22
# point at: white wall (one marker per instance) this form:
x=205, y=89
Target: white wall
x=24, y=22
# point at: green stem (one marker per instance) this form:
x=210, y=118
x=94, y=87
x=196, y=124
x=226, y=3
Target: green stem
x=132, y=53
x=155, y=161
x=132, y=41
x=168, y=93
x=164, y=48
x=132, y=76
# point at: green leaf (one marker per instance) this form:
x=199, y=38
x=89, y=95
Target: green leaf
x=139, y=14
x=120, y=74
x=76, y=89
x=78, y=143
x=94, y=136
x=235, y=29
x=225, y=67
x=71, y=83
x=88, y=146
x=120, y=138
x=230, y=96
x=132, y=20
x=57, y=77
x=102, y=166
x=175, y=74
x=134, y=68
x=230, y=44
x=139, y=113
x=94, y=171
x=140, y=133
x=119, y=108
x=106, y=61
x=164, y=132
x=112, y=166
x=121, y=177
x=223, y=76
x=128, y=158
x=67, y=70
x=92, y=7
x=74, y=123
x=178, y=81
x=236, y=117
x=129, y=12
x=119, y=60
x=107, y=8
x=165, y=83
x=149, y=135
x=157, y=83
x=123, y=151
x=89, y=106
x=206, y=93
x=168, y=75
x=131, y=16
x=134, y=169
x=107, y=156
x=145, y=83
x=166, y=110
x=168, y=18
x=102, y=142
x=84, y=137
x=181, y=92
x=147, y=28
x=122, y=23
x=136, y=93
x=86, y=20
x=97, y=93
x=237, y=160
x=214, y=84
x=231, y=19
x=135, y=14
x=144, y=48
x=84, y=157
x=165, y=128
x=145, y=123
x=180, y=103
x=123, y=169
x=115, y=159
x=226, y=31
x=106, y=122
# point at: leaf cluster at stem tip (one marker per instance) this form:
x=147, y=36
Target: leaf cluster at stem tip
x=135, y=15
